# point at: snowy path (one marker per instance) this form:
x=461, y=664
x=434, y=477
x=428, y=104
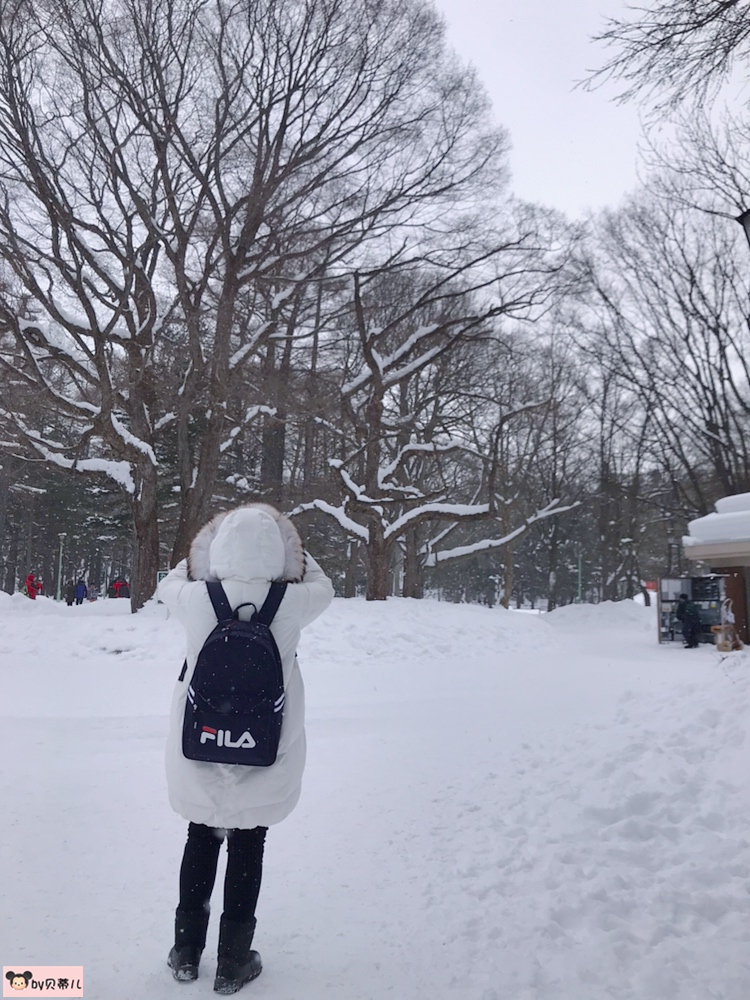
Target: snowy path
x=497, y=807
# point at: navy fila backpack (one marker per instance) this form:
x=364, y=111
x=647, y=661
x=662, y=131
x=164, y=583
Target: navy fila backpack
x=235, y=700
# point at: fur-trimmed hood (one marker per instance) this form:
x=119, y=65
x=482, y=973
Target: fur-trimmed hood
x=249, y=542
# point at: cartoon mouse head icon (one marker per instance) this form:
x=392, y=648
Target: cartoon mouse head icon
x=18, y=980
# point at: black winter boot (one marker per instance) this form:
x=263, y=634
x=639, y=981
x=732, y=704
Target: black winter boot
x=237, y=963
x=189, y=941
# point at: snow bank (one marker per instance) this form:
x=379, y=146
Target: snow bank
x=606, y=615
x=20, y=603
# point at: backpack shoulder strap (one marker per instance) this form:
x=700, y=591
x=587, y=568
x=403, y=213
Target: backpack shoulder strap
x=271, y=604
x=222, y=607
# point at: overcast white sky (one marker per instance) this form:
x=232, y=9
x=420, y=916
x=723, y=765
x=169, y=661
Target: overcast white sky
x=571, y=149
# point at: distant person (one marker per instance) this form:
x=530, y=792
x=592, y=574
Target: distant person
x=82, y=592
x=688, y=613
x=31, y=587
x=70, y=593
x=245, y=550
x=40, y=585
x=118, y=588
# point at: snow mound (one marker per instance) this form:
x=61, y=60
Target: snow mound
x=607, y=615
x=13, y=603
x=18, y=603
x=421, y=627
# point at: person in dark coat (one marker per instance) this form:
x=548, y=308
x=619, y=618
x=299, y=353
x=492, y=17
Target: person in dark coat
x=687, y=612
x=70, y=593
x=82, y=592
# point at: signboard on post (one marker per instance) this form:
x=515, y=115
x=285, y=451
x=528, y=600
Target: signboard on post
x=160, y=574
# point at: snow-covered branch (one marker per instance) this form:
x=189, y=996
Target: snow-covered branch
x=495, y=543
x=120, y=472
x=355, y=490
x=413, y=448
x=434, y=510
x=239, y=355
x=168, y=418
x=250, y=414
x=385, y=365
x=132, y=440
x=350, y=526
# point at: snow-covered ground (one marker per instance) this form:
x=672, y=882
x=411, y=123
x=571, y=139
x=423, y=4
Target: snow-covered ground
x=497, y=806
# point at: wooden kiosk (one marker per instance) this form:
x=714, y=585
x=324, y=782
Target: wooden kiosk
x=721, y=541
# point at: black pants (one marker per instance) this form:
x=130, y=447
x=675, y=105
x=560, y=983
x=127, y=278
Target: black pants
x=243, y=874
x=690, y=632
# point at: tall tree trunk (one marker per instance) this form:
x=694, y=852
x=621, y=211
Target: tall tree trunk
x=413, y=577
x=197, y=493
x=553, y=562
x=313, y=405
x=4, y=493
x=308, y=464
x=272, y=456
x=11, y=566
x=507, y=576
x=377, y=569
x=274, y=428
x=28, y=549
x=350, y=577
x=144, y=510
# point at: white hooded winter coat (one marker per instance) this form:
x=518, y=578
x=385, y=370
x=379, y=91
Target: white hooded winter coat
x=246, y=549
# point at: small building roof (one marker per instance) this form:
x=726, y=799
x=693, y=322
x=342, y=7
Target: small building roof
x=722, y=538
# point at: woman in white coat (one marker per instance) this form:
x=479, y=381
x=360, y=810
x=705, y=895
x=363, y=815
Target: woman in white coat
x=246, y=550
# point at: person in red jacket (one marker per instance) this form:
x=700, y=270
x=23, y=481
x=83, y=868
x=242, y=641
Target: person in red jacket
x=31, y=587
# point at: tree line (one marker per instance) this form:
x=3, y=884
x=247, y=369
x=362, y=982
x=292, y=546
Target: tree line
x=268, y=252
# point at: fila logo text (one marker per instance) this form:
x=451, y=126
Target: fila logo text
x=223, y=738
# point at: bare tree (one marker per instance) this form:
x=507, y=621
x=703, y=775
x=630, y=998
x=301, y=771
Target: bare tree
x=79, y=296
x=406, y=320
x=676, y=49
x=409, y=320
x=675, y=333
x=516, y=425
x=298, y=133
x=192, y=166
